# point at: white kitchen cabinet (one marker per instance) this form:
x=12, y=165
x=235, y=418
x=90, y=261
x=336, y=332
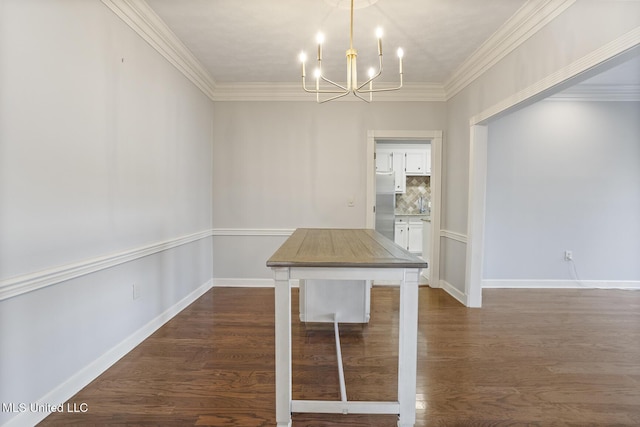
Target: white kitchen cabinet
x=403, y=160
x=408, y=234
x=398, y=170
x=384, y=160
x=426, y=246
x=414, y=240
x=417, y=162
x=388, y=160
x=401, y=236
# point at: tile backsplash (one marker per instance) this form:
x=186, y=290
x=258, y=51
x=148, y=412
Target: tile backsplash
x=408, y=203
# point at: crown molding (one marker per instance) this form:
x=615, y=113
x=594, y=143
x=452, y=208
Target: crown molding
x=138, y=15
x=561, y=79
x=528, y=20
x=294, y=92
x=593, y=92
x=522, y=25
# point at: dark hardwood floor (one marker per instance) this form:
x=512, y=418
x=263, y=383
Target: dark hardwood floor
x=528, y=357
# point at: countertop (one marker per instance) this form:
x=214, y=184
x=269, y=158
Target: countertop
x=422, y=216
x=322, y=247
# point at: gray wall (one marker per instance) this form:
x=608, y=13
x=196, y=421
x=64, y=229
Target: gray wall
x=282, y=165
x=104, y=148
x=564, y=176
x=585, y=27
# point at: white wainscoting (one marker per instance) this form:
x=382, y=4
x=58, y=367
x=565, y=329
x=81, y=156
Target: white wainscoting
x=30, y=282
x=82, y=378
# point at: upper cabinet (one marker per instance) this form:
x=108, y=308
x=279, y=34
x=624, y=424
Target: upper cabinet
x=403, y=160
x=389, y=160
x=418, y=161
x=384, y=160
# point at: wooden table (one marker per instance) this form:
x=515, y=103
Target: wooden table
x=346, y=254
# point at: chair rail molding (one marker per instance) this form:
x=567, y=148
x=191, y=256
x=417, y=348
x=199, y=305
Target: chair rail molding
x=458, y=237
x=15, y=286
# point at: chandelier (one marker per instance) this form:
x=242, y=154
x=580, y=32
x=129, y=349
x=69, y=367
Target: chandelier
x=337, y=90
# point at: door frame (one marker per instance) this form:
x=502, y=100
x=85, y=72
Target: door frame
x=435, y=138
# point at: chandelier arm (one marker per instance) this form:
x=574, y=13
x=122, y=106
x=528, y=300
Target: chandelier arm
x=384, y=89
x=323, y=91
x=372, y=78
x=333, y=83
x=357, y=94
x=304, y=87
x=332, y=98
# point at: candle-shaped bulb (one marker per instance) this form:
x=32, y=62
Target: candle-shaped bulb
x=400, y=53
x=371, y=72
x=379, y=32
x=317, y=73
x=303, y=59
x=320, y=40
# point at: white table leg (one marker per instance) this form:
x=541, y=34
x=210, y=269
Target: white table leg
x=283, y=346
x=407, y=348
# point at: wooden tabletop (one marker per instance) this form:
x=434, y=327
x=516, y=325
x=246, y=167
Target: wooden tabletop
x=342, y=247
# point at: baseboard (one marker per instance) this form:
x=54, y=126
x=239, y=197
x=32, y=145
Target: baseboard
x=247, y=283
x=561, y=284
x=453, y=291
x=82, y=378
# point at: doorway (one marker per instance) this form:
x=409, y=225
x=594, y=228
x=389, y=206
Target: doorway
x=435, y=139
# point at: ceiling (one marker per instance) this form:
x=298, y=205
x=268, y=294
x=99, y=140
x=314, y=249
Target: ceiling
x=258, y=41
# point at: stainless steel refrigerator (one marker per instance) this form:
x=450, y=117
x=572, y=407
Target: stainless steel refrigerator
x=385, y=204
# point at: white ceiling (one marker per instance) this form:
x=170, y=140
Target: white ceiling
x=244, y=41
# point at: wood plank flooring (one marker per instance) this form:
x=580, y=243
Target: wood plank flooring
x=527, y=358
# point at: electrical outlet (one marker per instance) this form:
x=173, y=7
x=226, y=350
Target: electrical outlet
x=136, y=291
x=568, y=255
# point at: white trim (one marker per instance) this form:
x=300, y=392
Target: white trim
x=555, y=81
x=83, y=377
x=479, y=136
x=561, y=284
x=252, y=231
x=528, y=20
x=604, y=93
x=138, y=15
x=344, y=407
x=435, y=137
x=234, y=282
x=618, y=49
x=459, y=237
x=32, y=281
x=453, y=291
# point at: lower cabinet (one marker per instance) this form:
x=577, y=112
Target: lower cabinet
x=415, y=237
x=401, y=236
x=408, y=234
